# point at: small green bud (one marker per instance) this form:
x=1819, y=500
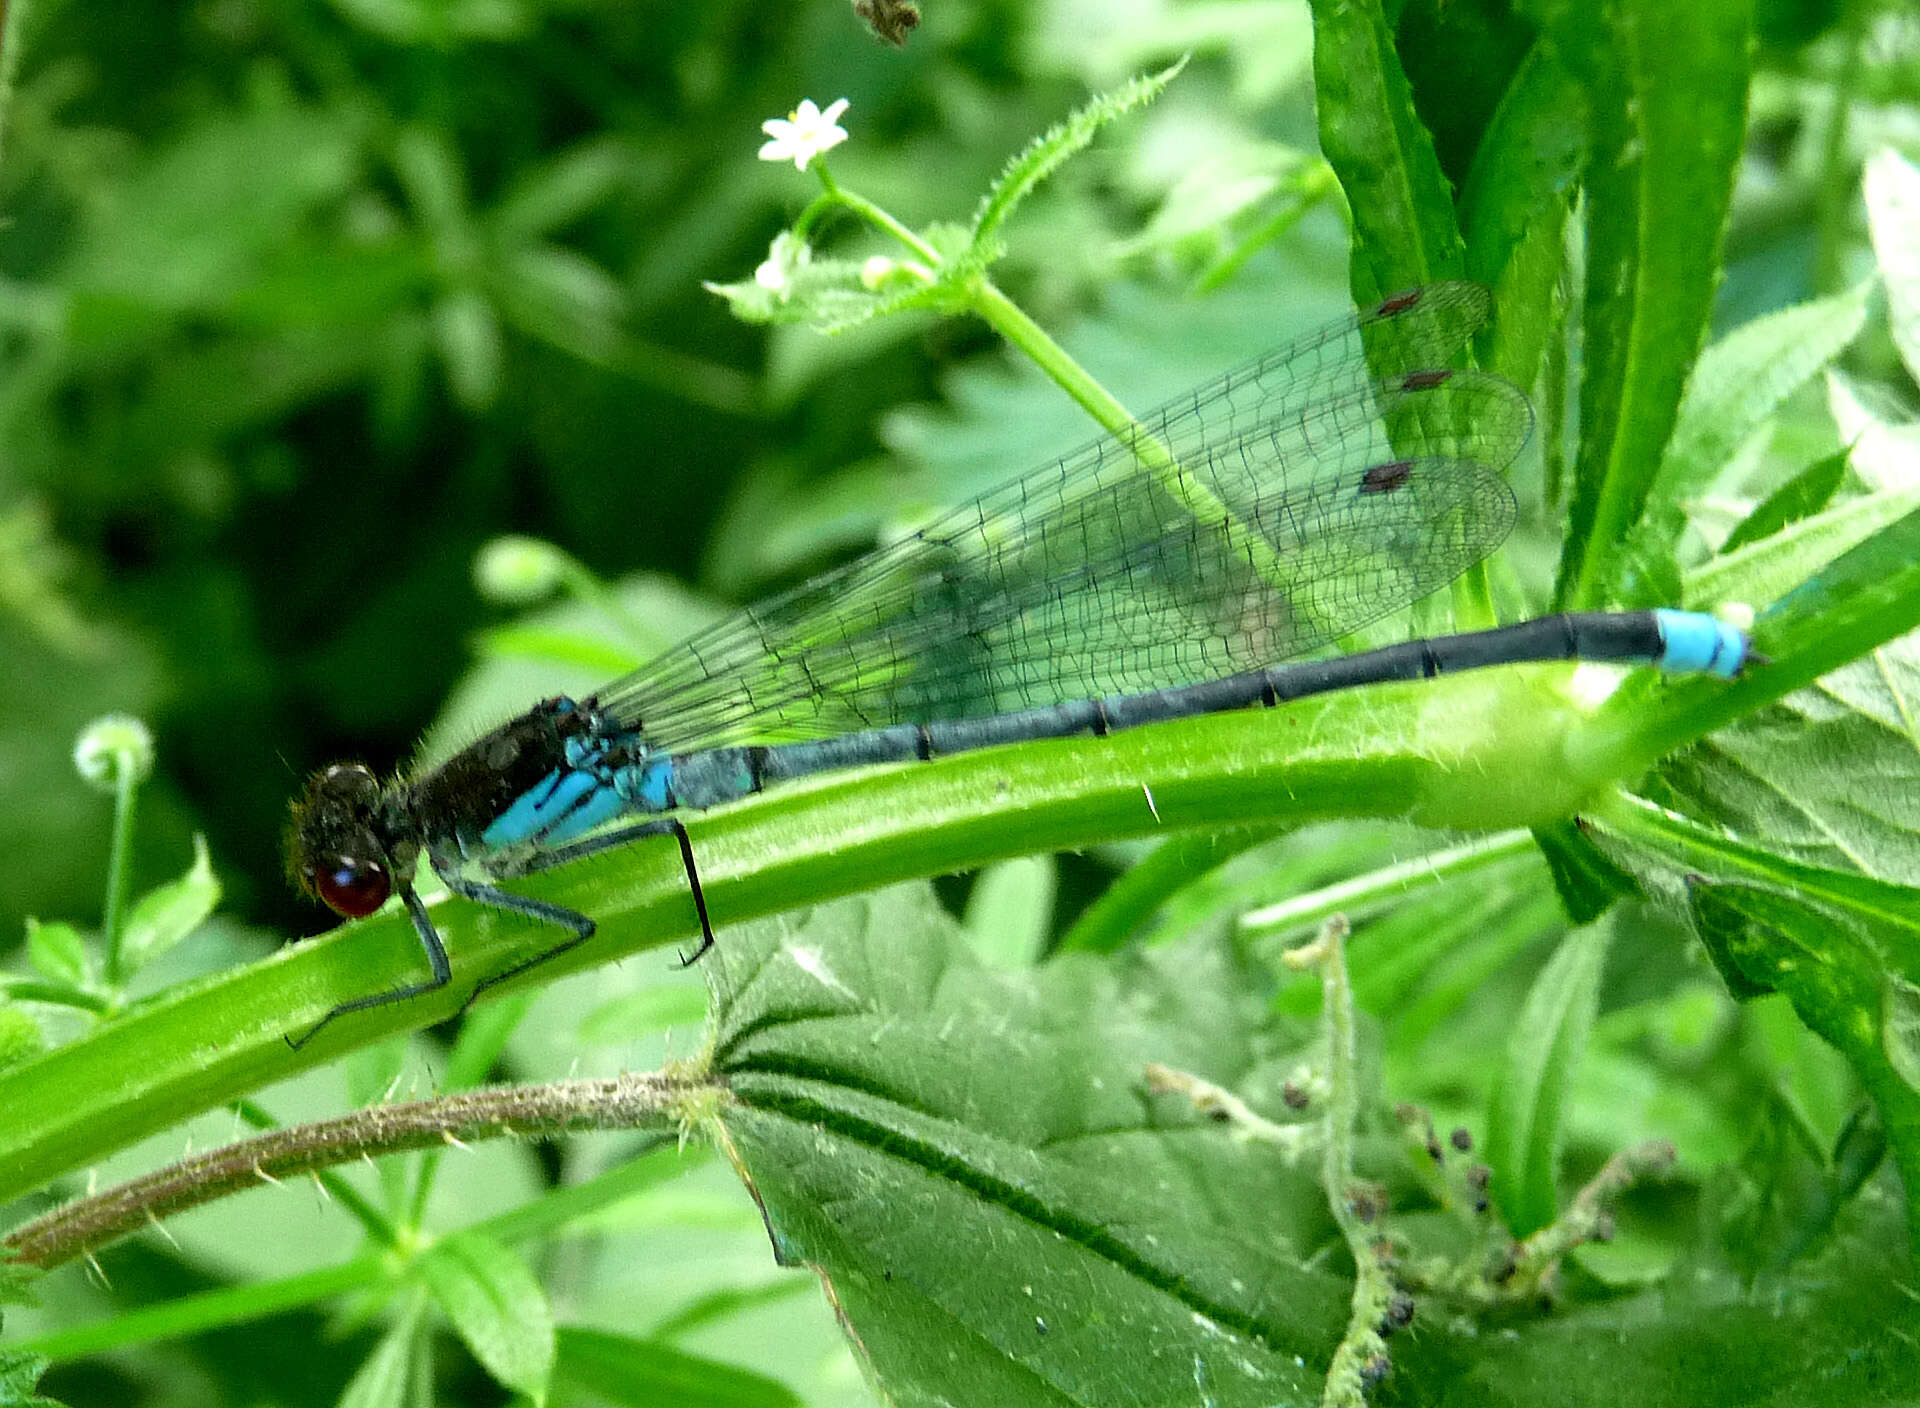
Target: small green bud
x=112, y=747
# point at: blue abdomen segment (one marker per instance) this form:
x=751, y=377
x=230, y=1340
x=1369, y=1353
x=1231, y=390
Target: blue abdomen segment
x=1698, y=644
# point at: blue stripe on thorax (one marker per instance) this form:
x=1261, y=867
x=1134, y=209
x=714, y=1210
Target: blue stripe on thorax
x=569, y=802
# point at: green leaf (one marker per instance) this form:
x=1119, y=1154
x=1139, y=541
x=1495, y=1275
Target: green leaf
x=497, y=1307
x=203, y=215
x=1738, y=385
x=439, y=24
x=1404, y=229
x=832, y=295
x=1900, y=1028
x=210, y=390
x=1527, y=342
x=1010, y=912
x=430, y=172
x=1828, y=775
x=1802, y=496
x=1221, y=188
x=1788, y=1199
x=642, y=1013
x=559, y=192
x=1746, y=376
x=1668, y=94
x=1885, y=452
x=1722, y=928
x=1587, y=882
x=1525, y=1121
x=467, y=333
x=1893, y=219
x=642, y=1373
x=16, y=1283
x=168, y=913
x=85, y=999
x=481, y=1043
x=1526, y=166
x=1130, y=901
x=1427, y=961
x=1461, y=58
x=58, y=951
x=391, y=1376
x=19, y=1373
x=1839, y=946
x=1856, y=603
x=1775, y=565
x=971, y=1162
x=20, y=1036
x=1704, y=1342
x=1053, y=148
x=562, y=298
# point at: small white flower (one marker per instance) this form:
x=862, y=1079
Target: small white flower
x=804, y=133
x=771, y=275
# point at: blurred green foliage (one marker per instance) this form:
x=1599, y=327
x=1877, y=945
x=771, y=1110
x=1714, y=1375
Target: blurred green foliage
x=304, y=302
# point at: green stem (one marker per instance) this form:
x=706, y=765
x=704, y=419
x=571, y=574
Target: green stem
x=54, y=994
x=1134, y=897
x=213, y=1310
x=1313, y=185
x=1012, y=322
x=626, y=1102
x=1492, y=751
x=817, y=209
x=1696, y=848
x=1217, y=1103
x=373, y=1222
x=13, y=14
x=126, y=789
x=1009, y=320
x=1357, y=1206
x=1377, y=888
x=1446, y=753
x=1328, y=953
x=1838, y=177
x=834, y=195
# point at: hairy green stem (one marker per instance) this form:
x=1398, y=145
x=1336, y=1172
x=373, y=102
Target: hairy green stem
x=536, y=1111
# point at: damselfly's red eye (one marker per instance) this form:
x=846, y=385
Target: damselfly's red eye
x=351, y=886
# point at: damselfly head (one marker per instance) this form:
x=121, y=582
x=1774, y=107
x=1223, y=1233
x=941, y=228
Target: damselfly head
x=334, y=848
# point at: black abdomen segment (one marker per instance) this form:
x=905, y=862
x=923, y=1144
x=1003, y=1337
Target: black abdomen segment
x=1628, y=636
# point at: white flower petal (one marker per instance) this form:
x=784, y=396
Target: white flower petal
x=804, y=133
